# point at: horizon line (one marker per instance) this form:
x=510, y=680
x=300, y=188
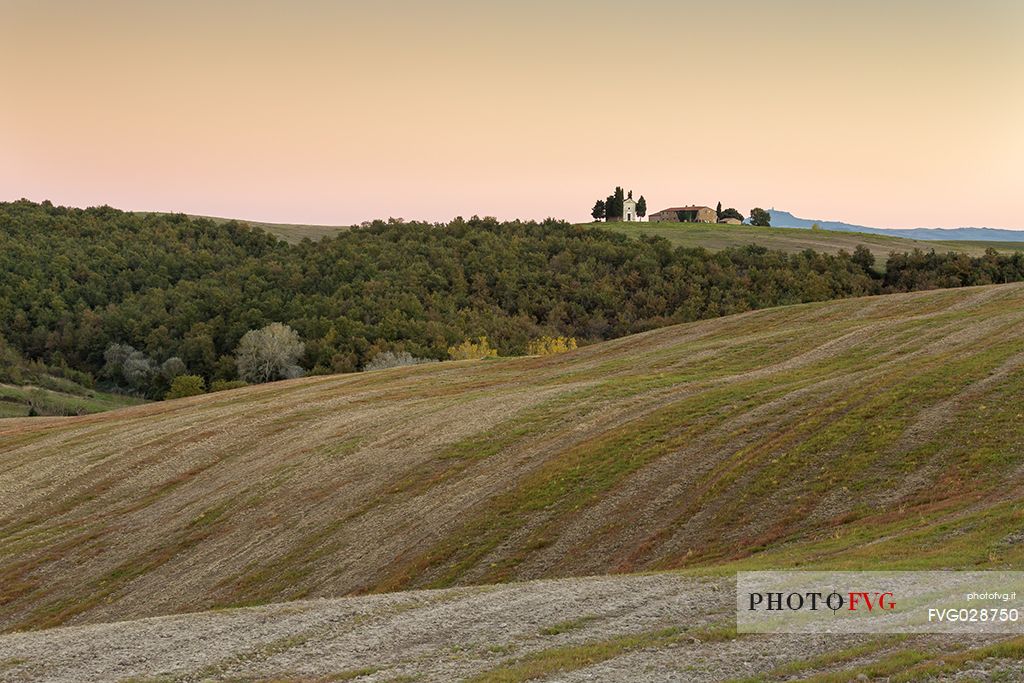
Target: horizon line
x=423, y=220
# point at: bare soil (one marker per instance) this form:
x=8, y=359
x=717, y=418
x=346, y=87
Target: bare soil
x=442, y=635
x=656, y=449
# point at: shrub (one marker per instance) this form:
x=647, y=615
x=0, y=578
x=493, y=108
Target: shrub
x=42, y=404
x=472, y=350
x=225, y=384
x=186, y=385
x=546, y=346
x=391, y=359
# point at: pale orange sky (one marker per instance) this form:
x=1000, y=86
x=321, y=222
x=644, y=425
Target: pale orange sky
x=898, y=113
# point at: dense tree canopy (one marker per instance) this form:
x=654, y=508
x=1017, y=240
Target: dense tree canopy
x=73, y=282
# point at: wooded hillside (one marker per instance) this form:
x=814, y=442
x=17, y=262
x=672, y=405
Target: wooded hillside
x=73, y=282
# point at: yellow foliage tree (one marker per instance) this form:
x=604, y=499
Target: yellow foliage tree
x=546, y=346
x=472, y=349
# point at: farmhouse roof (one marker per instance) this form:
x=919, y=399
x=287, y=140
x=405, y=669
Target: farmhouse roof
x=685, y=208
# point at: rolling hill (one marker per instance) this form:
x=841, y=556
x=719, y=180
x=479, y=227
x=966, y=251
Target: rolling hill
x=19, y=400
x=882, y=432
x=289, y=232
x=792, y=236
x=715, y=237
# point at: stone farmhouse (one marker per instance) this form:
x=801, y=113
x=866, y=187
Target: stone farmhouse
x=684, y=214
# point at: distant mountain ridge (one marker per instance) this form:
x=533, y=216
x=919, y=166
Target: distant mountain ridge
x=784, y=219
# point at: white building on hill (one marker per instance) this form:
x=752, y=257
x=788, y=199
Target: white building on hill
x=629, y=208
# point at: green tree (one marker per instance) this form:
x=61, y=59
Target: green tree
x=718, y=211
x=760, y=218
x=641, y=207
x=598, y=212
x=186, y=385
x=731, y=213
x=614, y=205
x=863, y=257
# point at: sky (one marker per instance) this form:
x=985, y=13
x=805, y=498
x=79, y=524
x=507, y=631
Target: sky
x=894, y=113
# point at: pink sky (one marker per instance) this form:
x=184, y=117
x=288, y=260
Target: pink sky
x=879, y=113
